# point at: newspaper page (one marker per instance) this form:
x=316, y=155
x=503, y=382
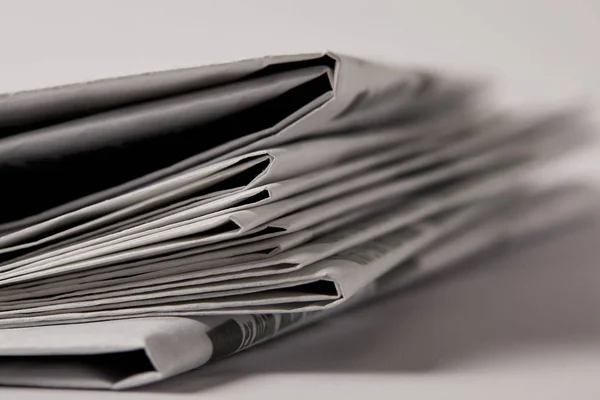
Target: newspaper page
x=249, y=219
x=356, y=275
x=351, y=78
x=188, y=221
x=198, y=270
x=280, y=164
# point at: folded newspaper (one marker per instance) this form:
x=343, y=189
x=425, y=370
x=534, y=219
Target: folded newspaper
x=153, y=223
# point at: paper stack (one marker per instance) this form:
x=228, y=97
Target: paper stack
x=152, y=223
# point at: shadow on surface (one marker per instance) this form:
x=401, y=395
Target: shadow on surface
x=541, y=293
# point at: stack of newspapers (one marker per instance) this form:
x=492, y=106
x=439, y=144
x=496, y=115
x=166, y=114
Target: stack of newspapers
x=153, y=223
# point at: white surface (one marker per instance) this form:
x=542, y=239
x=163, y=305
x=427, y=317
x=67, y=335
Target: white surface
x=525, y=328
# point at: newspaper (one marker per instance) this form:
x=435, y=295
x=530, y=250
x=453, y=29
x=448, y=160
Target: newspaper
x=157, y=222
x=316, y=179
x=342, y=82
x=213, y=255
x=199, y=271
x=330, y=244
x=126, y=125
x=229, y=264
x=144, y=350
x=280, y=190
x=347, y=271
x=268, y=167
x=236, y=223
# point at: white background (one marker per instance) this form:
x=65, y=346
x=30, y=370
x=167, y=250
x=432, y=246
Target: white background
x=536, y=52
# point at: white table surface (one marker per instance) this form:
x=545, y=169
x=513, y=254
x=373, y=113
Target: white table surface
x=524, y=325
